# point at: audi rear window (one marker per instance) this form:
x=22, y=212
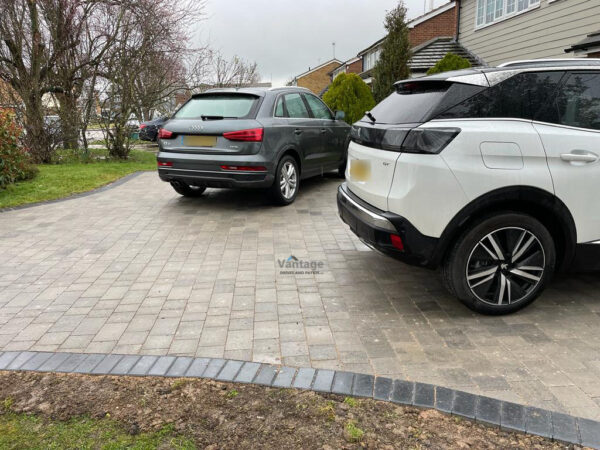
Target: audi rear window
x=410, y=103
x=218, y=106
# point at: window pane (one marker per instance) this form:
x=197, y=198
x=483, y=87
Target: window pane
x=522, y=4
x=518, y=97
x=489, y=11
x=279, y=108
x=578, y=104
x=318, y=108
x=510, y=6
x=233, y=106
x=499, y=8
x=480, y=11
x=295, y=106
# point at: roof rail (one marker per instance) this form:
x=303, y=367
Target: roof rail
x=558, y=62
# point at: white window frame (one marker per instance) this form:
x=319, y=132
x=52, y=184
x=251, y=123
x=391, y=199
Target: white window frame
x=482, y=6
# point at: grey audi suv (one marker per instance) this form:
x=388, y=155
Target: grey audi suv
x=251, y=138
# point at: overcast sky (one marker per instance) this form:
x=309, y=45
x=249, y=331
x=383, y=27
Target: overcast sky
x=285, y=37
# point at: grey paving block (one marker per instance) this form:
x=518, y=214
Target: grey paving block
x=285, y=377
x=106, y=365
x=444, y=399
x=21, y=359
x=229, y=370
x=424, y=395
x=538, y=421
x=565, y=428
x=213, y=368
x=266, y=374
x=143, y=365
x=383, y=388
x=88, y=364
x=464, y=404
x=342, y=383
x=161, y=366
x=7, y=358
x=247, y=372
x=404, y=392
x=69, y=364
x=488, y=410
x=37, y=360
x=124, y=365
x=197, y=367
x=589, y=430
x=304, y=378
x=323, y=380
x=179, y=366
x=363, y=385
x=512, y=416
x=53, y=362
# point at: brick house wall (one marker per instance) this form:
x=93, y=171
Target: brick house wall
x=594, y=55
x=317, y=80
x=443, y=24
x=355, y=67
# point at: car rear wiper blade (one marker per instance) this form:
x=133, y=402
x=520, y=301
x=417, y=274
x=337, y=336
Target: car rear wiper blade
x=216, y=117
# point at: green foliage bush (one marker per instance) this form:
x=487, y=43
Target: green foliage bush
x=15, y=163
x=350, y=94
x=451, y=61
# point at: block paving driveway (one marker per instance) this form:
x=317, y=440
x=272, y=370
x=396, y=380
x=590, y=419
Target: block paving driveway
x=137, y=269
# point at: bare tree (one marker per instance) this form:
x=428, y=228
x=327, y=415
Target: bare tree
x=145, y=64
x=218, y=71
x=28, y=55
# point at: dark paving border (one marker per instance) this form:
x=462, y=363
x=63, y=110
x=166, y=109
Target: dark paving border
x=506, y=415
x=106, y=187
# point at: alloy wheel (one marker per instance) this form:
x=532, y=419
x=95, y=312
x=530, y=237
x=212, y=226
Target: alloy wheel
x=288, y=180
x=505, y=266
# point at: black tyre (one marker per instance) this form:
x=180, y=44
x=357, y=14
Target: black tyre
x=501, y=264
x=187, y=190
x=287, y=181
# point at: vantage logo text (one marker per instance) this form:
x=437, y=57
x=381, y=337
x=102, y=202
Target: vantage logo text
x=295, y=266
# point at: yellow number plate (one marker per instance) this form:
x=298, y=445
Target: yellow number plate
x=199, y=141
x=360, y=170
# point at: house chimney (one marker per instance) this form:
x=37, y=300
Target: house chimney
x=429, y=6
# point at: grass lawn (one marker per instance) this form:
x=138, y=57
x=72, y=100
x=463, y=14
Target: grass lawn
x=30, y=432
x=72, y=177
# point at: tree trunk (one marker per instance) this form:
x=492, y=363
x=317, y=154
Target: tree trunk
x=69, y=120
x=37, y=139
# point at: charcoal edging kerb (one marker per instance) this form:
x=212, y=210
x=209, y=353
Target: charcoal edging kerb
x=506, y=415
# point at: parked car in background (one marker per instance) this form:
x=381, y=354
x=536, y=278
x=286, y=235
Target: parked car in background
x=149, y=129
x=251, y=138
x=491, y=174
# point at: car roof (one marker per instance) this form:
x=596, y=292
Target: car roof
x=488, y=76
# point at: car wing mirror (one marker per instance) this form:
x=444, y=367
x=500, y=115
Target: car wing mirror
x=340, y=115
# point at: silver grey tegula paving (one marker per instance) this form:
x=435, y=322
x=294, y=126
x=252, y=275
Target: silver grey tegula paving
x=136, y=269
x=506, y=415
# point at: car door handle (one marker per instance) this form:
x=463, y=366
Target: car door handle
x=323, y=130
x=585, y=157
x=297, y=131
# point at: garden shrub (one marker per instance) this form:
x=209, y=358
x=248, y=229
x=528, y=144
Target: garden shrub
x=15, y=162
x=451, y=61
x=350, y=94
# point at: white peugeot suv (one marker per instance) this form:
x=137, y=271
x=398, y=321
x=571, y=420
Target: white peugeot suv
x=491, y=174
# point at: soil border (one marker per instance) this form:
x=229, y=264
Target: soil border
x=494, y=412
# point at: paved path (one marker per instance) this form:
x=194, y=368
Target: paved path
x=139, y=270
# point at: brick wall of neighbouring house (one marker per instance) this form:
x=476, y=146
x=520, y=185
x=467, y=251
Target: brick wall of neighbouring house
x=319, y=79
x=443, y=24
x=355, y=67
x=594, y=55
